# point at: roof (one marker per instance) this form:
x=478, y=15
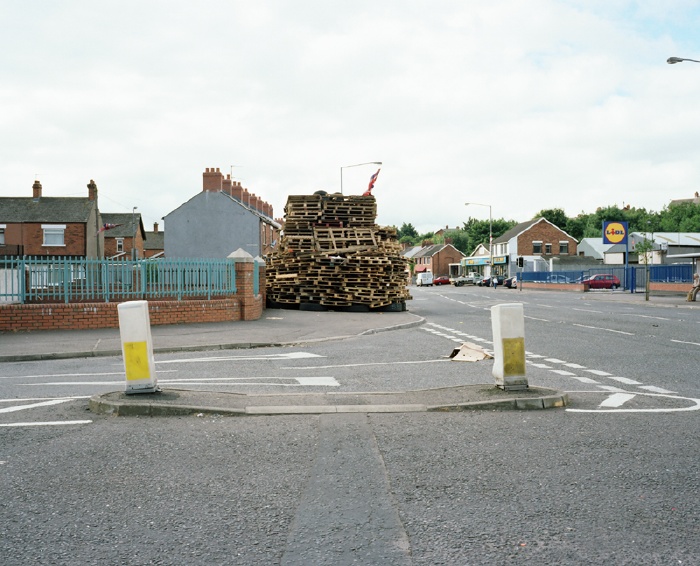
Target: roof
x=125, y=224
x=410, y=252
x=154, y=241
x=522, y=227
x=46, y=209
x=597, y=245
x=429, y=251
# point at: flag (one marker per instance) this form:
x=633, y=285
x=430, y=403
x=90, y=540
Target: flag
x=107, y=226
x=372, y=180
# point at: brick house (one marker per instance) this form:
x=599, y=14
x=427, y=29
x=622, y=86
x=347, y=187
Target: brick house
x=127, y=234
x=436, y=259
x=220, y=219
x=154, y=245
x=51, y=226
x=537, y=241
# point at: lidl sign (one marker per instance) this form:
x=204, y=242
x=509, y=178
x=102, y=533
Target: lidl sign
x=614, y=232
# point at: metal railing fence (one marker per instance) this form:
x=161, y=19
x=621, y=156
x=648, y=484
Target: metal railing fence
x=67, y=280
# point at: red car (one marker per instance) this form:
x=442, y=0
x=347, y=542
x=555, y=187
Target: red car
x=602, y=281
x=442, y=280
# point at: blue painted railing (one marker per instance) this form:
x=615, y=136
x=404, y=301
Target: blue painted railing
x=67, y=280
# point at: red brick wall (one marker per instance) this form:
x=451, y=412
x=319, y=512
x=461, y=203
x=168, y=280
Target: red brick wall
x=547, y=234
x=243, y=306
x=74, y=240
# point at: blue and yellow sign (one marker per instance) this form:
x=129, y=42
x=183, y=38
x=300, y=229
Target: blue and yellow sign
x=614, y=232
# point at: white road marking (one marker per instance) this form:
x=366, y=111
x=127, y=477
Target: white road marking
x=42, y=399
x=612, y=388
x=598, y=372
x=584, y=379
x=266, y=357
x=50, y=423
x=535, y=318
x=563, y=372
x=683, y=342
x=555, y=360
x=645, y=316
x=33, y=405
x=694, y=407
x=55, y=375
x=574, y=366
x=655, y=389
x=540, y=366
x=625, y=380
x=587, y=310
x=605, y=329
x=369, y=364
x=617, y=400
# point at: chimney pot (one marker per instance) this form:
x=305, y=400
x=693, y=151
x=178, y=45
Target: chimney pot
x=155, y=227
x=36, y=189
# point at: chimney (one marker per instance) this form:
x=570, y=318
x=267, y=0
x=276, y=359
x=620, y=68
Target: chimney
x=226, y=185
x=36, y=190
x=212, y=179
x=245, y=197
x=237, y=191
x=255, y=202
x=155, y=227
x=92, y=190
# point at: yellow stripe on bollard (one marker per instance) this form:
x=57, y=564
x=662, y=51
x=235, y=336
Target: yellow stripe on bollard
x=513, y=357
x=136, y=361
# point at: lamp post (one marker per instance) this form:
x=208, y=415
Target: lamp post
x=357, y=165
x=490, y=235
x=674, y=60
x=133, y=243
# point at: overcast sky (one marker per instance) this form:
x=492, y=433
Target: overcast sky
x=521, y=105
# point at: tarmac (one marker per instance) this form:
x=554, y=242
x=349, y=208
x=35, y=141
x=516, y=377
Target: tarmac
x=283, y=327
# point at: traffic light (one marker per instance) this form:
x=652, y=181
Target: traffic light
x=520, y=261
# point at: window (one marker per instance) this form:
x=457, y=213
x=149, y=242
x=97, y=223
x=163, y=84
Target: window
x=2, y=234
x=536, y=247
x=120, y=245
x=548, y=249
x=54, y=234
x=563, y=247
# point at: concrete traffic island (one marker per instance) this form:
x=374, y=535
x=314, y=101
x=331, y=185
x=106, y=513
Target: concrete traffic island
x=179, y=402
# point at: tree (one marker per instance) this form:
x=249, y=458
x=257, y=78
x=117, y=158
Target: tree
x=556, y=216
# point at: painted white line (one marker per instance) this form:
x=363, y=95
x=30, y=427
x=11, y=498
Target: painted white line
x=612, y=389
x=33, y=406
x=617, y=400
x=57, y=375
x=544, y=306
x=535, y=318
x=50, y=423
x=605, y=329
x=587, y=310
x=625, y=380
x=262, y=358
x=554, y=360
x=645, y=316
x=683, y=342
x=655, y=389
x=598, y=372
x=583, y=379
x=563, y=372
x=43, y=399
x=320, y=381
x=694, y=407
x=368, y=364
x=531, y=355
x=575, y=366
x=541, y=366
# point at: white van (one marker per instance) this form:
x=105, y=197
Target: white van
x=425, y=278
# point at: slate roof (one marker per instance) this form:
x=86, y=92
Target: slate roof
x=126, y=219
x=515, y=230
x=54, y=210
x=154, y=241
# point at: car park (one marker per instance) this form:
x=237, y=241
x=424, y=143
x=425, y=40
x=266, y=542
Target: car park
x=602, y=281
x=441, y=280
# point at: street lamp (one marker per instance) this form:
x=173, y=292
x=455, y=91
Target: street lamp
x=133, y=242
x=490, y=235
x=674, y=60
x=357, y=165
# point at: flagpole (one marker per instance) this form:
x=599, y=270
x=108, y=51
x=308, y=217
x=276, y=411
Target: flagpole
x=356, y=165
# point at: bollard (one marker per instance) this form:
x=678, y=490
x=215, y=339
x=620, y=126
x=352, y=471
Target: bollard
x=508, y=326
x=137, y=347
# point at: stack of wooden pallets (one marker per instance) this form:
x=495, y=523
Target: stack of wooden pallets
x=332, y=254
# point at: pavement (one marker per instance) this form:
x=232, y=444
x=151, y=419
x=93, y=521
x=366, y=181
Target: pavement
x=281, y=327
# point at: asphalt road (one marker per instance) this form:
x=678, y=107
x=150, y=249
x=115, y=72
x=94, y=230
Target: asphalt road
x=613, y=478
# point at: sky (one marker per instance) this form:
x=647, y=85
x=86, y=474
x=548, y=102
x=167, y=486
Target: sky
x=517, y=106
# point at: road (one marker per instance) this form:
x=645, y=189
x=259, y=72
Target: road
x=613, y=478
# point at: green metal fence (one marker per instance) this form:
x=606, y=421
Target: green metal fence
x=68, y=280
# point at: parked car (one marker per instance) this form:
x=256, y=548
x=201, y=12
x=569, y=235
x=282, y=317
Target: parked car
x=486, y=281
x=425, y=278
x=511, y=282
x=556, y=278
x=602, y=281
x=441, y=280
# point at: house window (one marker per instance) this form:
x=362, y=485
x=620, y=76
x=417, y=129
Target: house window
x=54, y=234
x=548, y=249
x=2, y=234
x=120, y=245
x=563, y=247
x=536, y=247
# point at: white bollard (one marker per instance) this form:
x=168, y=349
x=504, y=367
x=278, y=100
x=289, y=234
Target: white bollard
x=508, y=326
x=137, y=347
